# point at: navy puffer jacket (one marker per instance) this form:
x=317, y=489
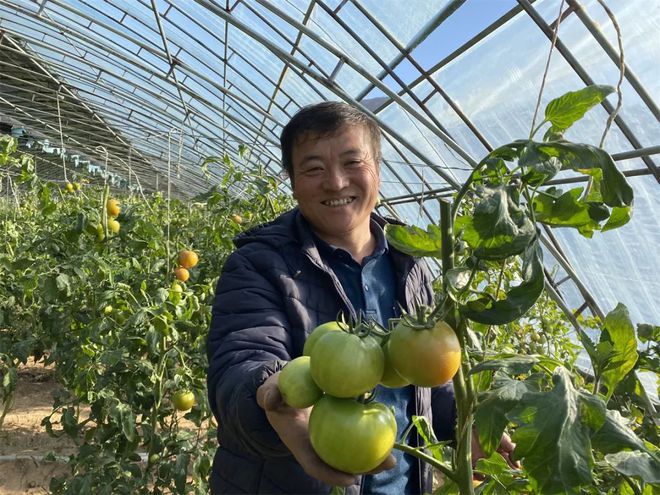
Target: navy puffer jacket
x=273, y=291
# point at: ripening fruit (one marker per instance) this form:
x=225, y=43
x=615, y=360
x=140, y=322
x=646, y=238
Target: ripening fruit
x=113, y=207
x=108, y=310
x=113, y=225
x=188, y=259
x=69, y=187
x=100, y=233
x=77, y=186
x=236, y=219
x=181, y=274
x=183, y=400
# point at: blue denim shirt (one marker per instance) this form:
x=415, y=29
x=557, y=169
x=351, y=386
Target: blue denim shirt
x=371, y=288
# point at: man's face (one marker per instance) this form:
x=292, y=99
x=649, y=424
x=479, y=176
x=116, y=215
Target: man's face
x=335, y=181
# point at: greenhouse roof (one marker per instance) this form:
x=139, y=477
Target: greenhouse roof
x=148, y=90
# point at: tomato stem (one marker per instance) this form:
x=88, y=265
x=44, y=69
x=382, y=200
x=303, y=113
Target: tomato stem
x=440, y=466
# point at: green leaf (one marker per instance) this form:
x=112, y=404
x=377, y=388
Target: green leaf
x=490, y=414
x=414, y=241
x=538, y=167
x=615, y=435
x=123, y=414
x=552, y=440
x=618, y=218
x=513, y=365
x=648, y=333
x=553, y=208
x=636, y=464
x=564, y=111
x=580, y=157
x=517, y=300
x=498, y=228
x=425, y=431
x=618, y=330
x=457, y=279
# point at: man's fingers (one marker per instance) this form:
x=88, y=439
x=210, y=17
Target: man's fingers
x=388, y=463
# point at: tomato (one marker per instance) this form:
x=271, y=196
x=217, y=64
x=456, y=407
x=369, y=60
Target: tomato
x=391, y=377
x=236, y=219
x=351, y=436
x=112, y=206
x=296, y=384
x=69, y=187
x=175, y=292
x=188, y=259
x=114, y=225
x=426, y=357
x=183, y=400
x=181, y=274
x=345, y=365
x=100, y=233
x=77, y=186
x=318, y=332
x=107, y=310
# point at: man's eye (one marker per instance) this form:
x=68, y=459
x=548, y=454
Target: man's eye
x=353, y=163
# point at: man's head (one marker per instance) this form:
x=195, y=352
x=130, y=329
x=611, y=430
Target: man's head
x=332, y=153
x=324, y=119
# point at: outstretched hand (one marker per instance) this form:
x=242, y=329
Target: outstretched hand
x=292, y=426
x=505, y=449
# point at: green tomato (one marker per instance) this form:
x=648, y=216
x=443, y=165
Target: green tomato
x=296, y=384
x=183, y=400
x=426, y=357
x=351, y=436
x=345, y=365
x=319, y=332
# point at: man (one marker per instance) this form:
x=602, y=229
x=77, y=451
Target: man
x=327, y=256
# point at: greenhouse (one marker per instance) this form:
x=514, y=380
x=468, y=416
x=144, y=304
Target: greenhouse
x=444, y=282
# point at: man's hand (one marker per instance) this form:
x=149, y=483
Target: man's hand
x=292, y=426
x=505, y=449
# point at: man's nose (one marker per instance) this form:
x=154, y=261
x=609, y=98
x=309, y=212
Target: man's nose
x=335, y=179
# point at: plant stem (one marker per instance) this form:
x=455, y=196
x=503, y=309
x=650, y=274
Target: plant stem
x=446, y=470
x=463, y=390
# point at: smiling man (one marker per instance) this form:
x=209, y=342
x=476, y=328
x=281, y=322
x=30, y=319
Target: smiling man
x=327, y=256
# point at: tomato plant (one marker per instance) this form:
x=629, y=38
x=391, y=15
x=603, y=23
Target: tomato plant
x=351, y=436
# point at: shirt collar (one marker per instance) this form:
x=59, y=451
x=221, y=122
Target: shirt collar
x=380, y=248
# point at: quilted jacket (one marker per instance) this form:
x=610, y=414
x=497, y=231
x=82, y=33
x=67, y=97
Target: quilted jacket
x=273, y=291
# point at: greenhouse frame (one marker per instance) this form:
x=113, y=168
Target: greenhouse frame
x=168, y=96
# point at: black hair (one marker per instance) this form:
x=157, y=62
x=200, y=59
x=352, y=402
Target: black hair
x=324, y=119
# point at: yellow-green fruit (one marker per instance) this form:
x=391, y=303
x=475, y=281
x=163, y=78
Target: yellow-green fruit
x=113, y=225
x=391, y=377
x=183, y=400
x=69, y=187
x=77, y=186
x=296, y=384
x=100, y=234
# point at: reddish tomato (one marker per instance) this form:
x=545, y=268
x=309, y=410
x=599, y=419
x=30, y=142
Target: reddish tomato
x=351, y=436
x=188, y=259
x=345, y=365
x=181, y=274
x=426, y=357
x=296, y=384
x=112, y=206
x=391, y=377
x=318, y=332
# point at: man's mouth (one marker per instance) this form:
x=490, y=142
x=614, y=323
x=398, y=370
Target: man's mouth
x=338, y=202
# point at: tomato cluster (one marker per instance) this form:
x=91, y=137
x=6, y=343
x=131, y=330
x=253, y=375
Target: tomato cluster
x=342, y=363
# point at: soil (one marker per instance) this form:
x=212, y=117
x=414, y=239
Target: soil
x=24, y=442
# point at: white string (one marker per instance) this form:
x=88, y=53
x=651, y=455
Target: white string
x=59, y=118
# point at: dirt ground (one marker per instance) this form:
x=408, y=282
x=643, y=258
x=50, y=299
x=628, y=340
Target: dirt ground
x=23, y=441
